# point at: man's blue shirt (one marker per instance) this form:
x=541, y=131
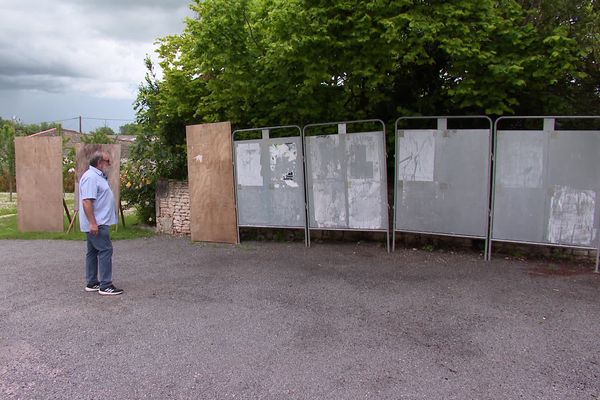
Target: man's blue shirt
x=94, y=185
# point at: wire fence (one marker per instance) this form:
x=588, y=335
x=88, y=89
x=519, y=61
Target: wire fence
x=87, y=124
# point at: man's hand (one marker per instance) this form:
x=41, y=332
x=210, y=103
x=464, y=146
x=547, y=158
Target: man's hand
x=94, y=229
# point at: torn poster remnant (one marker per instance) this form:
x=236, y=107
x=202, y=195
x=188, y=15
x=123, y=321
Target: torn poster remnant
x=324, y=157
x=282, y=152
x=521, y=159
x=365, y=175
x=365, y=209
x=572, y=216
x=282, y=162
x=329, y=204
x=416, y=156
x=249, y=171
x=288, y=179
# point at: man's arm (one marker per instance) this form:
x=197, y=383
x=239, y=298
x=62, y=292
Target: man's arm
x=88, y=208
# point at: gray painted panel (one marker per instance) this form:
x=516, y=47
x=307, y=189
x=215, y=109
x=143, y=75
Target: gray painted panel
x=328, y=204
x=561, y=167
x=514, y=217
x=521, y=156
x=270, y=182
x=574, y=188
x=574, y=159
x=417, y=206
x=442, y=181
x=347, y=187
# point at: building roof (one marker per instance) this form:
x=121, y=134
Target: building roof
x=74, y=137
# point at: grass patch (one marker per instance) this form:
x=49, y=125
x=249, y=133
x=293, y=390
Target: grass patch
x=8, y=225
x=8, y=211
x=132, y=230
x=6, y=205
x=428, y=247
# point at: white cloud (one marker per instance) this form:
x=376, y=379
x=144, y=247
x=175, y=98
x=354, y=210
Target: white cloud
x=85, y=47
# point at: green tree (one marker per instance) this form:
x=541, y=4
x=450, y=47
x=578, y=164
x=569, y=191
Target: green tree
x=130, y=129
x=578, y=90
x=7, y=154
x=159, y=149
x=102, y=135
x=29, y=129
x=259, y=62
x=275, y=62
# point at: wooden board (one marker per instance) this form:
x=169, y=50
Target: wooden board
x=83, y=153
x=38, y=162
x=210, y=174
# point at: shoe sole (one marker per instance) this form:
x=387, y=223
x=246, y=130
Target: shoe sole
x=101, y=293
x=87, y=289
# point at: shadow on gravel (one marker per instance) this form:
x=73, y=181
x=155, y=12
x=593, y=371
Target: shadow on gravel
x=561, y=269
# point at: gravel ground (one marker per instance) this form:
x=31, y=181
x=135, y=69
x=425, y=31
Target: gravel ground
x=279, y=321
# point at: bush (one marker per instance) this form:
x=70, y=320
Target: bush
x=150, y=159
x=4, y=183
x=138, y=189
x=69, y=171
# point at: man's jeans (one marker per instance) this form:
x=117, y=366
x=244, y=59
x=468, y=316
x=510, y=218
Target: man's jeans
x=98, y=260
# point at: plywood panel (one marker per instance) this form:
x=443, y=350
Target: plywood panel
x=39, y=184
x=83, y=153
x=210, y=174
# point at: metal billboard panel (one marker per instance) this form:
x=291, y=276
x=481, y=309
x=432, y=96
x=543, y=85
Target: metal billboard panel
x=270, y=182
x=547, y=187
x=442, y=181
x=346, y=181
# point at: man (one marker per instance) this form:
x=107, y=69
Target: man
x=98, y=212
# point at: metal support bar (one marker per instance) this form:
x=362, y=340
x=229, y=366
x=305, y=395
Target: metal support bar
x=597, y=251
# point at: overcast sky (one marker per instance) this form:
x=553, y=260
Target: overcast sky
x=63, y=58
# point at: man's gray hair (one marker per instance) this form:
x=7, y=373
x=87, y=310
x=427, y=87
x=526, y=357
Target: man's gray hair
x=96, y=157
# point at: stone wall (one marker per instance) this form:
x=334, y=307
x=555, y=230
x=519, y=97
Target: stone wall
x=173, y=207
